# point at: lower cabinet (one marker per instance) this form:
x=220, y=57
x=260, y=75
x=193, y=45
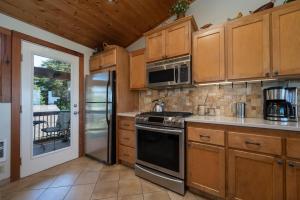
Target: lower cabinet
x=206, y=168
x=126, y=140
x=292, y=180
x=254, y=176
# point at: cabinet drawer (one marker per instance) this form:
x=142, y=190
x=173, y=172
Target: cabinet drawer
x=209, y=136
x=293, y=147
x=127, y=154
x=127, y=124
x=258, y=143
x=127, y=138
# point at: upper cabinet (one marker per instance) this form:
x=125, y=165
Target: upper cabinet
x=137, y=69
x=171, y=40
x=178, y=40
x=286, y=42
x=95, y=62
x=208, y=55
x=107, y=58
x=155, y=46
x=5, y=65
x=249, y=47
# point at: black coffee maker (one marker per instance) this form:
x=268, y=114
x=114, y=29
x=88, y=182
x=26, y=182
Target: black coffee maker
x=280, y=104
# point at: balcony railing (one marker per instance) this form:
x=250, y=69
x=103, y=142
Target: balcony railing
x=44, y=120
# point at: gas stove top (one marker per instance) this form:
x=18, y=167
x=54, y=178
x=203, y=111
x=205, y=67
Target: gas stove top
x=166, y=119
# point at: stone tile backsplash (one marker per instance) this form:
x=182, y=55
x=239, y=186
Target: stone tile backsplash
x=222, y=98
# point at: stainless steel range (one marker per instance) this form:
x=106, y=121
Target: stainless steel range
x=161, y=148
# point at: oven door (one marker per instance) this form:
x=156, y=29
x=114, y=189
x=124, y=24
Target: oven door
x=161, y=149
x=162, y=76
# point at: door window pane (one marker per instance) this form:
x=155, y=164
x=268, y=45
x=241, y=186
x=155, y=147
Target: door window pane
x=51, y=105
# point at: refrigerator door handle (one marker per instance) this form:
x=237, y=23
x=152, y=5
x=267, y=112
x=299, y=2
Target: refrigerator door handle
x=107, y=85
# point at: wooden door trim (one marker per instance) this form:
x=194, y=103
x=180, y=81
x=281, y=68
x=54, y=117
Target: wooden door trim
x=17, y=38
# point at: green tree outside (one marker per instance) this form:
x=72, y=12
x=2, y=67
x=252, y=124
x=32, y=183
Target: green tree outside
x=59, y=88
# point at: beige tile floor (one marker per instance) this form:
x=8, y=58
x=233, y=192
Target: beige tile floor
x=86, y=179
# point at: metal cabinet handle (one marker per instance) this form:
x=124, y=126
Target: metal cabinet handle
x=252, y=143
x=204, y=137
x=126, y=155
x=126, y=138
x=126, y=125
x=293, y=165
x=267, y=74
x=276, y=73
x=280, y=162
x=76, y=112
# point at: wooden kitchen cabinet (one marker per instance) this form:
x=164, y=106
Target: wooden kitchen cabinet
x=5, y=65
x=155, y=46
x=109, y=58
x=137, y=70
x=178, y=40
x=126, y=140
x=206, y=168
x=254, y=176
x=248, y=47
x=292, y=180
x=286, y=42
x=95, y=62
x=209, y=55
x=171, y=40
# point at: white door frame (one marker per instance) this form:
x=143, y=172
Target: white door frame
x=33, y=164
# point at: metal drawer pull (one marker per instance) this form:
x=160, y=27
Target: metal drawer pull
x=252, y=143
x=205, y=137
x=126, y=125
x=293, y=165
x=126, y=138
x=125, y=154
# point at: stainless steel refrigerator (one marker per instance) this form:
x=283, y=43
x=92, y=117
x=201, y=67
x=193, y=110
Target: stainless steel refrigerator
x=100, y=117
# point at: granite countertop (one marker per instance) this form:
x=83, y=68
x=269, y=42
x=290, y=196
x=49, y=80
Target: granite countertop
x=246, y=122
x=233, y=121
x=128, y=114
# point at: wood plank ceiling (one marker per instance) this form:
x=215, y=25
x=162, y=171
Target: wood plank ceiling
x=91, y=22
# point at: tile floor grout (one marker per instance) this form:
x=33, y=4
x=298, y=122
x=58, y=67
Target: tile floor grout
x=77, y=184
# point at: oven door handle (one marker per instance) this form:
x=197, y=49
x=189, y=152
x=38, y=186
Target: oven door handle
x=168, y=131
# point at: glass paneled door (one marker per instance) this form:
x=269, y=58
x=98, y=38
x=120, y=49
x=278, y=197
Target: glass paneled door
x=49, y=119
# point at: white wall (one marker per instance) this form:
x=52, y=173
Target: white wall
x=213, y=11
x=13, y=24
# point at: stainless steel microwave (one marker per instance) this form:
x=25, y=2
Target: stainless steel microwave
x=171, y=72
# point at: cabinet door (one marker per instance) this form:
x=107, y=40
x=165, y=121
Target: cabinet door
x=293, y=180
x=5, y=65
x=137, y=69
x=206, y=168
x=286, y=43
x=155, y=46
x=249, y=48
x=95, y=62
x=178, y=40
x=108, y=58
x=208, y=55
x=254, y=176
